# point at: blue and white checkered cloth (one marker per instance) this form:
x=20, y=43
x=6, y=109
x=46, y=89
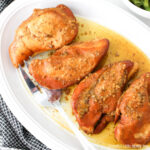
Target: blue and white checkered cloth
x=4, y=3
x=13, y=134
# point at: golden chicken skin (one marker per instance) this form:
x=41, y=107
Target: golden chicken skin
x=46, y=29
x=134, y=110
x=69, y=64
x=95, y=99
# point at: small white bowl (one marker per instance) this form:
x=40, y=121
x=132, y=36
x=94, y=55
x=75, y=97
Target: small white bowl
x=137, y=10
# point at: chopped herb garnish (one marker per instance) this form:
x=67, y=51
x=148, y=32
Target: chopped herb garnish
x=144, y=4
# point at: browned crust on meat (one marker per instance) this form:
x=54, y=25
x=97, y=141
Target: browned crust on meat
x=46, y=29
x=69, y=64
x=134, y=109
x=95, y=99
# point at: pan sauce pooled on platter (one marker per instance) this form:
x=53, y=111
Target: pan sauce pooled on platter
x=120, y=49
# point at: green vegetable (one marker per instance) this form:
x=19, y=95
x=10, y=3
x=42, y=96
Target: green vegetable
x=138, y=3
x=148, y=9
x=144, y=4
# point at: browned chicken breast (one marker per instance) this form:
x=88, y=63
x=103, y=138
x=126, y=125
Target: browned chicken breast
x=69, y=64
x=134, y=110
x=95, y=99
x=45, y=29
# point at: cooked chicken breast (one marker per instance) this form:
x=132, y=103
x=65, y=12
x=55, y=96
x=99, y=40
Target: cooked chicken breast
x=69, y=64
x=95, y=99
x=45, y=29
x=134, y=112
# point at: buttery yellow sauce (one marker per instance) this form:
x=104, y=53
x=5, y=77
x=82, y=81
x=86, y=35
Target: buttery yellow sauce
x=120, y=49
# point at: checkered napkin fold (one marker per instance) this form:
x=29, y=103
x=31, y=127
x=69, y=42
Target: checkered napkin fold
x=12, y=133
